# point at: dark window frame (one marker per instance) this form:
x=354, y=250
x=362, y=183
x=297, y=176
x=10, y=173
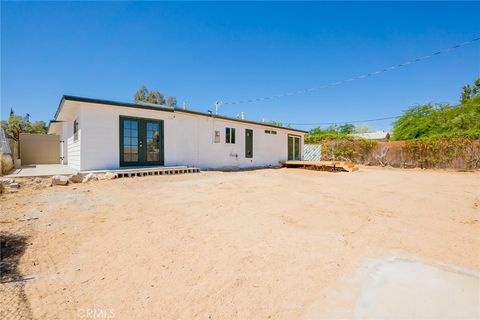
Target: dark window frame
x=75, y=130
x=270, y=132
x=230, y=135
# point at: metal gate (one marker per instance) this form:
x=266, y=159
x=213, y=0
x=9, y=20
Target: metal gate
x=39, y=148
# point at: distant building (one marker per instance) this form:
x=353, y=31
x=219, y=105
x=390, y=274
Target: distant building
x=376, y=135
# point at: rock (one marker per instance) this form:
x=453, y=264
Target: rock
x=6, y=181
x=107, y=176
x=110, y=176
x=12, y=191
x=76, y=178
x=59, y=180
x=37, y=180
x=89, y=177
x=14, y=185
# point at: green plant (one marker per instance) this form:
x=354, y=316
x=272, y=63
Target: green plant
x=366, y=148
x=436, y=152
x=344, y=152
x=440, y=121
x=17, y=124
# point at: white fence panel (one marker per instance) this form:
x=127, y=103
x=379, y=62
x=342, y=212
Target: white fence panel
x=312, y=152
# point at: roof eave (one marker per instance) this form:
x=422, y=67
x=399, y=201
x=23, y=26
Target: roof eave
x=161, y=108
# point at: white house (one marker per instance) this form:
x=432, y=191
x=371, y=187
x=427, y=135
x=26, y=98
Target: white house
x=376, y=135
x=100, y=134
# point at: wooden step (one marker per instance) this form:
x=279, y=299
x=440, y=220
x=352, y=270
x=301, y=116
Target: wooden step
x=152, y=171
x=321, y=165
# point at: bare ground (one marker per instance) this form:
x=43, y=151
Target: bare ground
x=258, y=244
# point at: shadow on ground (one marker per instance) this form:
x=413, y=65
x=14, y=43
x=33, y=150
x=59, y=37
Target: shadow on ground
x=14, y=304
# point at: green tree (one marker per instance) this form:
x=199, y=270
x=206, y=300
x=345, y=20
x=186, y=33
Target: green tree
x=155, y=97
x=466, y=93
x=17, y=124
x=329, y=133
x=172, y=102
x=439, y=121
x=476, y=87
x=470, y=91
x=141, y=94
x=144, y=95
x=346, y=128
x=361, y=129
x=39, y=127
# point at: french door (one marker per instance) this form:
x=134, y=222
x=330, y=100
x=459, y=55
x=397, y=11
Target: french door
x=141, y=142
x=294, y=148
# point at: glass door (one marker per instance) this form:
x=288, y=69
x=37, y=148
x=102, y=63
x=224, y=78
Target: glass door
x=152, y=142
x=294, y=148
x=130, y=142
x=141, y=142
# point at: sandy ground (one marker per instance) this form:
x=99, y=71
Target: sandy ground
x=243, y=245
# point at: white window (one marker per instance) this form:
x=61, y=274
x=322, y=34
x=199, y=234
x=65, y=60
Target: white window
x=217, y=136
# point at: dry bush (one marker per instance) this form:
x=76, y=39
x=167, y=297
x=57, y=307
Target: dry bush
x=456, y=153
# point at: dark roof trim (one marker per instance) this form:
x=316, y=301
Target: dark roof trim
x=161, y=108
x=108, y=102
x=238, y=120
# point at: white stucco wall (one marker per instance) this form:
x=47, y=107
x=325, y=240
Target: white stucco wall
x=188, y=140
x=69, y=148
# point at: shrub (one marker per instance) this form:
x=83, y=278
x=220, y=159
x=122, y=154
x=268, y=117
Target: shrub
x=436, y=153
x=459, y=153
x=344, y=152
x=366, y=148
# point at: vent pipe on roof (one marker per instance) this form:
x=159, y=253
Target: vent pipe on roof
x=217, y=106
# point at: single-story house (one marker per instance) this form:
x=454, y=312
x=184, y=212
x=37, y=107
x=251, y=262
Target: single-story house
x=100, y=134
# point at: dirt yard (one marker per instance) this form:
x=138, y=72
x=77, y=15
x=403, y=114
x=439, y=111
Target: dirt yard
x=242, y=245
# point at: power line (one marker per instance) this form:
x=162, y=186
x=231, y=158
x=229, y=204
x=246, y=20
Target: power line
x=338, y=122
x=363, y=76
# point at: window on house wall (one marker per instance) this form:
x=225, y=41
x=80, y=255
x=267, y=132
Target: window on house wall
x=270, y=132
x=75, y=130
x=217, y=137
x=229, y=135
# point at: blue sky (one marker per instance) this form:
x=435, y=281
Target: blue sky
x=202, y=52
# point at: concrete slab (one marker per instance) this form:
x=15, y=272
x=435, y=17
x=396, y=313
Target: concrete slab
x=39, y=170
x=401, y=288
